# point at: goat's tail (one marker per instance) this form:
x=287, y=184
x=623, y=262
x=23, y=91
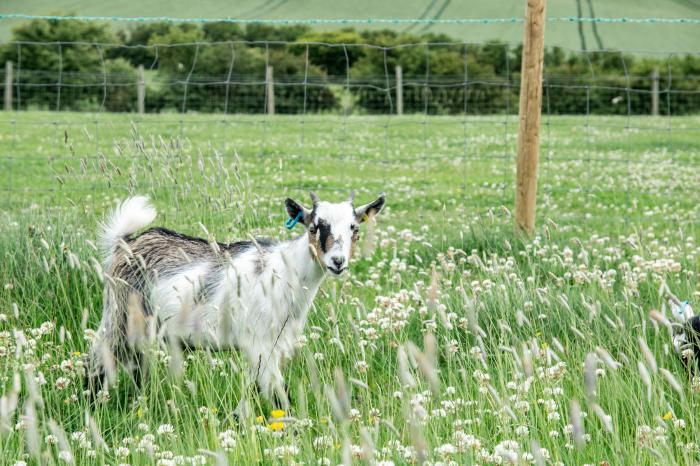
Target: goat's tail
x=131, y=215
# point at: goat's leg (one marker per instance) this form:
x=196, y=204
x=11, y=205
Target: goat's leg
x=116, y=344
x=270, y=381
x=266, y=371
x=101, y=362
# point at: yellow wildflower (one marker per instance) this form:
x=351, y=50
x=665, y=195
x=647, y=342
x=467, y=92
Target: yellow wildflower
x=277, y=413
x=668, y=415
x=276, y=426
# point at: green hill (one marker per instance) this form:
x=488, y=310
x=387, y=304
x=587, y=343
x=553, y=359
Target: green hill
x=631, y=37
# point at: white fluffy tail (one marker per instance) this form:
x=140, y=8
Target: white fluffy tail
x=131, y=215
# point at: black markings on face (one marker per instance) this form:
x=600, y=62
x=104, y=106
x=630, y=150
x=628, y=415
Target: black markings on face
x=355, y=229
x=325, y=237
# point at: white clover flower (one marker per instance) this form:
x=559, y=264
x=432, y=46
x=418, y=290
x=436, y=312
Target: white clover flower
x=322, y=441
x=446, y=449
x=65, y=456
x=165, y=429
x=227, y=439
x=283, y=451
x=62, y=383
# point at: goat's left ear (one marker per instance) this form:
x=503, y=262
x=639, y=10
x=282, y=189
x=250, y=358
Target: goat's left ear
x=293, y=209
x=362, y=213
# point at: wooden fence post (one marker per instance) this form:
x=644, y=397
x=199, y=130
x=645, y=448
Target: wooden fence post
x=529, y=116
x=270, y=90
x=655, y=92
x=8, y=86
x=399, y=90
x=141, y=91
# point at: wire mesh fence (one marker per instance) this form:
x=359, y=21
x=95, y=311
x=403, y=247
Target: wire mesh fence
x=437, y=117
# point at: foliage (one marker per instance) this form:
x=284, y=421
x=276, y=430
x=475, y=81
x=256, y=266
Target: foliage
x=220, y=67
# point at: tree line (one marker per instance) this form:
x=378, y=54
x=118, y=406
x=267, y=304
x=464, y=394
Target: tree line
x=221, y=67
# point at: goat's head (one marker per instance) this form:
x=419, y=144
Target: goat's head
x=333, y=229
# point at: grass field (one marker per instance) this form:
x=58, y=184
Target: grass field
x=676, y=38
x=511, y=336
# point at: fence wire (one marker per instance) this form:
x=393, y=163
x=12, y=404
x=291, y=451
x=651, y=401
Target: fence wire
x=456, y=135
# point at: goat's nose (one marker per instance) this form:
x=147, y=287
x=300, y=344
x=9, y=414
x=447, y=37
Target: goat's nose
x=338, y=261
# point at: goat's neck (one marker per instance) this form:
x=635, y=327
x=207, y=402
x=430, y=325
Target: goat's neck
x=304, y=269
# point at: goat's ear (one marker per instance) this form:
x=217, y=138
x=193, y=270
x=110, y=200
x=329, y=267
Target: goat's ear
x=293, y=209
x=369, y=210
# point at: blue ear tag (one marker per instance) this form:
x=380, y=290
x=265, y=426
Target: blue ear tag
x=291, y=222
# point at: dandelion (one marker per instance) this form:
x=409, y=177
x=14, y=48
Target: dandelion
x=276, y=426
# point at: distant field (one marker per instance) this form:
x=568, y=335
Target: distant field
x=514, y=321
x=467, y=162
x=676, y=38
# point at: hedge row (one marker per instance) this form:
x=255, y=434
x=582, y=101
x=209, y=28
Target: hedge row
x=220, y=67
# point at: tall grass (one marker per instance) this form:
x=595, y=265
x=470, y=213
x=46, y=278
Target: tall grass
x=451, y=342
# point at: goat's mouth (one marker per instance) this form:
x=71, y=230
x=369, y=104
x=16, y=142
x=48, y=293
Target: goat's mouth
x=335, y=271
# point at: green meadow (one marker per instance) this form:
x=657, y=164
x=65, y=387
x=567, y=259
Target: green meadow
x=453, y=340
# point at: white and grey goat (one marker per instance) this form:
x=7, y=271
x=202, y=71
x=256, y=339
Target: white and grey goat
x=250, y=295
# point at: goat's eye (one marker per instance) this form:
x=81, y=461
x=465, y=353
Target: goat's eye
x=354, y=227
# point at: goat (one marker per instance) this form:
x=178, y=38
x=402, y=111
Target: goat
x=250, y=295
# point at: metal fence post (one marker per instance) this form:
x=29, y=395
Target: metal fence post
x=655, y=92
x=8, y=86
x=270, y=90
x=399, y=90
x=141, y=91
